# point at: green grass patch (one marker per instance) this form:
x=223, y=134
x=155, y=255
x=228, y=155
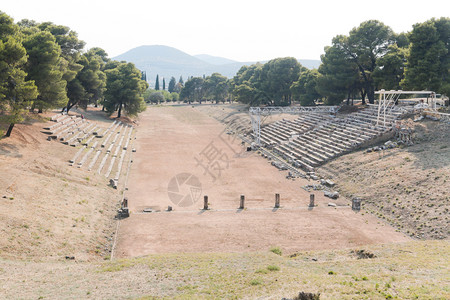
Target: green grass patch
x=262, y=271
x=256, y=282
x=276, y=250
x=273, y=268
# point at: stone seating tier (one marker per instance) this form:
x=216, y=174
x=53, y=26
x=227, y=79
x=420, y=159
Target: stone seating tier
x=326, y=144
x=318, y=147
x=309, y=150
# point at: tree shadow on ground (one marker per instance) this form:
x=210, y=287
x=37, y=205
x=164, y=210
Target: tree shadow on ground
x=430, y=156
x=432, y=148
x=9, y=150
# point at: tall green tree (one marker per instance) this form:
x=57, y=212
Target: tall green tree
x=216, y=87
x=390, y=68
x=428, y=66
x=98, y=58
x=71, y=50
x=164, y=84
x=277, y=76
x=157, y=82
x=193, y=90
x=16, y=93
x=71, y=47
x=247, y=88
x=172, y=84
x=90, y=83
x=364, y=45
x=124, y=90
x=304, y=89
x=338, y=76
x=44, y=66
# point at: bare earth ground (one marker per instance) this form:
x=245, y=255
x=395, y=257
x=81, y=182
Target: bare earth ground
x=49, y=209
x=409, y=187
x=172, y=140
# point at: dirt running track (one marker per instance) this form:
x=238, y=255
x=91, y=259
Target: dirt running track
x=183, y=154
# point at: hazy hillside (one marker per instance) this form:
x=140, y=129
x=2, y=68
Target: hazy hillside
x=168, y=61
x=215, y=60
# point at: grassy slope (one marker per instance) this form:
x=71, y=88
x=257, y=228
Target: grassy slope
x=415, y=270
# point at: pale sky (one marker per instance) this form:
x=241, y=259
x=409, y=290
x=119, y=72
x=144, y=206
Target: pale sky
x=242, y=30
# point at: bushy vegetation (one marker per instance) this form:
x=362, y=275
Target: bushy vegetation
x=160, y=96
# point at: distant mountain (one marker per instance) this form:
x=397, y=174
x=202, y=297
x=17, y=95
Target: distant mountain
x=310, y=63
x=167, y=62
x=215, y=60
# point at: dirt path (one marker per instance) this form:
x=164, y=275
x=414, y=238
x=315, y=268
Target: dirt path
x=177, y=145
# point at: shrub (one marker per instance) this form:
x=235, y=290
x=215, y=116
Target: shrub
x=273, y=268
x=276, y=250
x=255, y=282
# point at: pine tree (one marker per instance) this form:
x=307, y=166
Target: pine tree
x=45, y=67
x=181, y=82
x=16, y=93
x=157, y=82
x=124, y=89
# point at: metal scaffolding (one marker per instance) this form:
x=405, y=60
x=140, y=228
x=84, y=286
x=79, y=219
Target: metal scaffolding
x=257, y=112
x=388, y=100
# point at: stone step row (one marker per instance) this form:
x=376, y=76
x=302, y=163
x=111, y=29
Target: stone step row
x=69, y=130
x=328, y=138
x=117, y=141
x=63, y=125
x=90, y=152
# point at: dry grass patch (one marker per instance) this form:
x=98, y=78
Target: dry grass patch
x=414, y=270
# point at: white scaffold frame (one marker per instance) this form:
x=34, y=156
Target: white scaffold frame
x=388, y=99
x=257, y=112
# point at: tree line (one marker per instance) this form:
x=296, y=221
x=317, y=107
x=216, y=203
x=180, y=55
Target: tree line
x=45, y=66
x=369, y=58
x=215, y=87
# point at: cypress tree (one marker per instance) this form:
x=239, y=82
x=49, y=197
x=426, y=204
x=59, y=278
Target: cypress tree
x=172, y=84
x=157, y=82
x=164, y=84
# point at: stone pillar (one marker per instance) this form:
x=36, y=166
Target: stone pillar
x=356, y=204
x=241, y=203
x=277, y=200
x=205, y=202
x=311, y=200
